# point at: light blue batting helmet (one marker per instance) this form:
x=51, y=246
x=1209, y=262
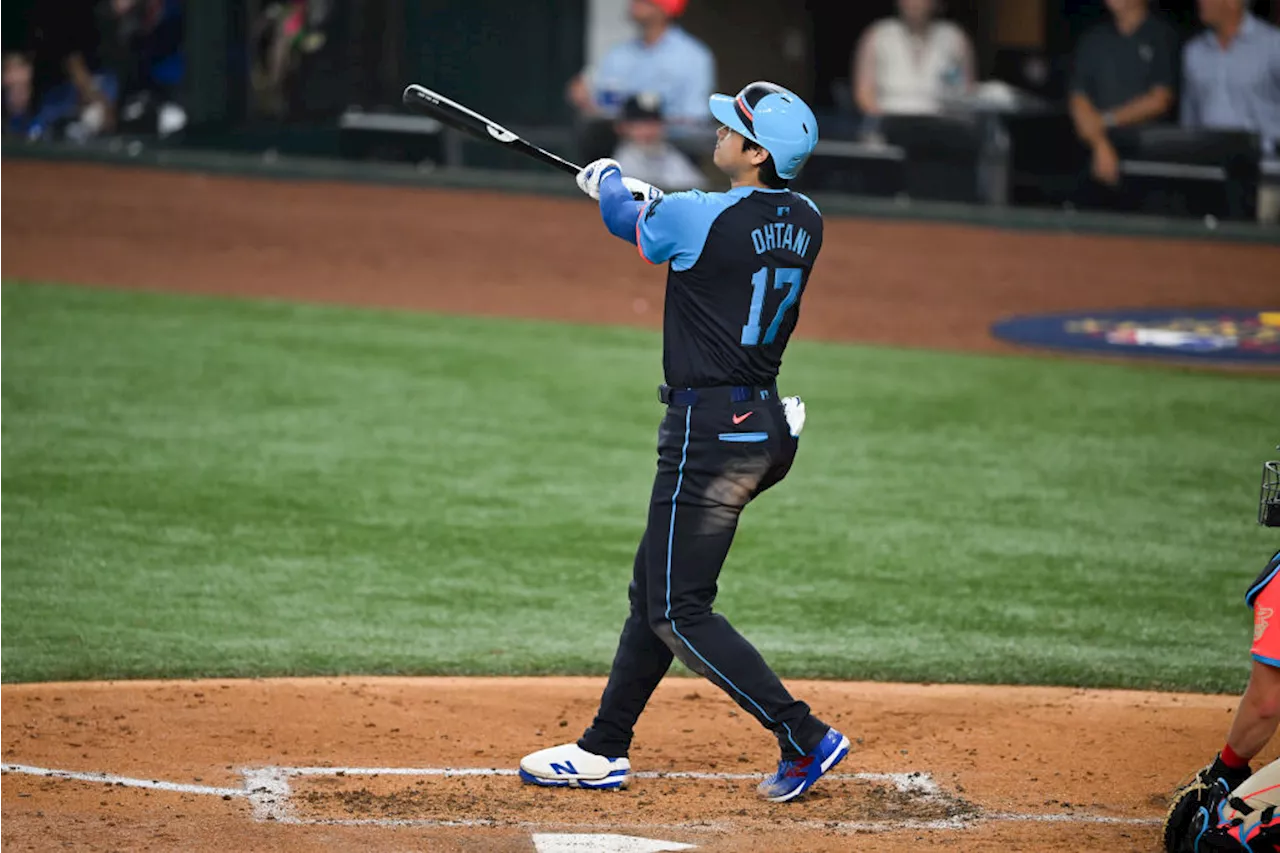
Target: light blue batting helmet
x=774, y=118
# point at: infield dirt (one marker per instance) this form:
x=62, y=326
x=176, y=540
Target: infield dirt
x=1003, y=760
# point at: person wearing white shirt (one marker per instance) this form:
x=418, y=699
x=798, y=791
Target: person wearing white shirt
x=1231, y=73
x=908, y=65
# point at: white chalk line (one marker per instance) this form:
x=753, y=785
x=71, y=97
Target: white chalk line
x=124, y=781
x=1069, y=817
x=269, y=793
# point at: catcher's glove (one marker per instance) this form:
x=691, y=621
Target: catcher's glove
x=1199, y=798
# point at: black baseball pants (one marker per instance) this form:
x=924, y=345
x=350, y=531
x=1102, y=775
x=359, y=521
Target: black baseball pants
x=717, y=449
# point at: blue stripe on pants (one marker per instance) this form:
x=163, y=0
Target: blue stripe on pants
x=671, y=533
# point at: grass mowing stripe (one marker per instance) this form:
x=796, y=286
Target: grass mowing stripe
x=200, y=486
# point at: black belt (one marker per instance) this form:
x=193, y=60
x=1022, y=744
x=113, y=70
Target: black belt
x=716, y=394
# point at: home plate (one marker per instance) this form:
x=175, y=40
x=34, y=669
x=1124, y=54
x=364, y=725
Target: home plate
x=572, y=842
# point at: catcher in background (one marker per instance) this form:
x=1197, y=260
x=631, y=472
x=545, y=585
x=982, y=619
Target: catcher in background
x=1224, y=808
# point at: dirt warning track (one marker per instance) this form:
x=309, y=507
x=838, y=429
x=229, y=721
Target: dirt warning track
x=900, y=283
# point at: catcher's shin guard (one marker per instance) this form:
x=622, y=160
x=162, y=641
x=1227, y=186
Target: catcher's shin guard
x=1251, y=832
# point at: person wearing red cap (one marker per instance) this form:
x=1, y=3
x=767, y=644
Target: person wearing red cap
x=662, y=59
x=672, y=8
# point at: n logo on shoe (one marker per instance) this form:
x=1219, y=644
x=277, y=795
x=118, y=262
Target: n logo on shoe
x=566, y=768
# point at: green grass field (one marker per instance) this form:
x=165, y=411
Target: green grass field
x=218, y=487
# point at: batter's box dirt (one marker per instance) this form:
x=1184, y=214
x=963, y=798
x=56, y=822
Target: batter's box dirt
x=710, y=802
x=359, y=764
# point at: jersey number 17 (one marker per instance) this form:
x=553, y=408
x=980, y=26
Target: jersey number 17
x=783, y=277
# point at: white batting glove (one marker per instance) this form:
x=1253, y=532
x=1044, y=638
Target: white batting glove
x=793, y=409
x=589, y=177
x=640, y=191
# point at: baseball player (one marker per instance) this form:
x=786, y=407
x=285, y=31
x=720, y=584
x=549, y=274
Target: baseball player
x=738, y=265
x=1224, y=807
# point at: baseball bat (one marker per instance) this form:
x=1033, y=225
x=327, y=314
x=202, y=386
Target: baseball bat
x=457, y=116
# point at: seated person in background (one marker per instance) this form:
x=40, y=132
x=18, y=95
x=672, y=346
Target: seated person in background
x=663, y=59
x=68, y=94
x=1124, y=75
x=1231, y=73
x=283, y=34
x=17, y=93
x=141, y=46
x=908, y=64
x=645, y=152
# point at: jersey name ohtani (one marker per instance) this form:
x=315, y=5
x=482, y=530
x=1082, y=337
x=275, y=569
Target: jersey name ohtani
x=780, y=235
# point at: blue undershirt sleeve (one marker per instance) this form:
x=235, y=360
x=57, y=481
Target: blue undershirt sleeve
x=618, y=209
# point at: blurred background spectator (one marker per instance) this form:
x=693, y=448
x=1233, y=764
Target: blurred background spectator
x=17, y=93
x=141, y=48
x=55, y=85
x=662, y=59
x=909, y=64
x=1125, y=74
x=1231, y=73
x=88, y=67
x=644, y=151
x=912, y=74
x=284, y=35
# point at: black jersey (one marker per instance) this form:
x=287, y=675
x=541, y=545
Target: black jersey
x=740, y=261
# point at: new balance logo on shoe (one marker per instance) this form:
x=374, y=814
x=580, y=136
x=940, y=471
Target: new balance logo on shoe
x=567, y=768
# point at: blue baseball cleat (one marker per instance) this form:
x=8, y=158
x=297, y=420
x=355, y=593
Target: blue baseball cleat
x=797, y=776
x=570, y=766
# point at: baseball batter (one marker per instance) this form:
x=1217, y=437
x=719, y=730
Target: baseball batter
x=1223, y=807
x=738, y=265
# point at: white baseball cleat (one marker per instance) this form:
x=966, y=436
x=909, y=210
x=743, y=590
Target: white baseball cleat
x=570, y=766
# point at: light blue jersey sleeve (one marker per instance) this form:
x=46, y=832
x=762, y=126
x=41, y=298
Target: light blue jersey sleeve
x=675, y=227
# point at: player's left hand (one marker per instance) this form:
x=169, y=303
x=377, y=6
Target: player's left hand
x=591, y=174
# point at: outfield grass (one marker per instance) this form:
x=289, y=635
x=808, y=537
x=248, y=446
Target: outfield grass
x=217, y=487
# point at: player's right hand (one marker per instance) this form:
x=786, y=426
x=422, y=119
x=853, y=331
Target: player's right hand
x=589, y=177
